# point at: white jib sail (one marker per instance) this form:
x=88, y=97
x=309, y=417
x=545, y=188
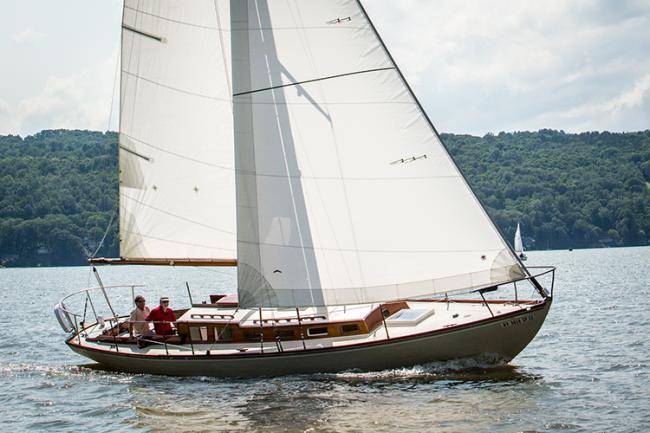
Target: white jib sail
x=345, y=193
x=519, y=246
x=177, y=183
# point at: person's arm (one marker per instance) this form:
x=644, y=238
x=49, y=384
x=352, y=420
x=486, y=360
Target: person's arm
x=147, y=312
x=173, y=317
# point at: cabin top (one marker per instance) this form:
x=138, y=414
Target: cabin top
x=215, y=313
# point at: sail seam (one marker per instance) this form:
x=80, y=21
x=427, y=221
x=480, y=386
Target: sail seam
x=185, y=23
x=176, y=216
x=332, y=103
x=219, y=29
x=328, y=27
x=187, y=92
x=253, y=173
x=444, y=146
x=178, y=242
x=169, y=152
x=350, y=250
x=314, y=80
x=247, y=172
x=426, y=287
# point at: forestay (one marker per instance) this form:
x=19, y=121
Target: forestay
x=345, y=193
x=177, y=186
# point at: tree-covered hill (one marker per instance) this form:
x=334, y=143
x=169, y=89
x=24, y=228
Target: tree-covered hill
x=58, y=190
x=567, y=190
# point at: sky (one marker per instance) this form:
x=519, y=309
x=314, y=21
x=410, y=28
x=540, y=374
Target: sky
x=477, y=66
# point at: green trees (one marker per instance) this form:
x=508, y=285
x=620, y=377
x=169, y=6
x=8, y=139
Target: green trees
x=58, y=190
x=567, y=190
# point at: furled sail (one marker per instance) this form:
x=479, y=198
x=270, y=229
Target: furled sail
x=345, y=193
x=177, y=184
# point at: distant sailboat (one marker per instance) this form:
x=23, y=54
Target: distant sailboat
x=281, y=138
x=519, y=245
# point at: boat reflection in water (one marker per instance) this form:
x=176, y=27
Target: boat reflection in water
x=382, y=401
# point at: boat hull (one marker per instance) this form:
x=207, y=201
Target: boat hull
x=497, y=339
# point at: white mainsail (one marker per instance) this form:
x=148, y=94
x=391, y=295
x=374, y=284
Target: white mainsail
x=519, y=245
x=177, y=178
x=345, y=193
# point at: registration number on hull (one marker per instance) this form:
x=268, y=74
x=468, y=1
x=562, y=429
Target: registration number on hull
x=518, y=321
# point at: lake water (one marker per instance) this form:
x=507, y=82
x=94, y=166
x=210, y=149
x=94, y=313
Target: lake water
x=588, y=370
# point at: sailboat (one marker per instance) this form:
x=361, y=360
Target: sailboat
x=519, y=245
x=281, y=138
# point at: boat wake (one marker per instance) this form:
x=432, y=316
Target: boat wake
x=482, y=369
x=72, y=371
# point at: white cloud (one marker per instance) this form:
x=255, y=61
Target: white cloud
x=632, y=98
x=508, y=65
x=6, y=121
x=79, y=101
x=626, y=108
x=476, y=67
x=27, y=35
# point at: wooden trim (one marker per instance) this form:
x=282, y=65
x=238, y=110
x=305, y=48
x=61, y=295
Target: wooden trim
x=289, y=330
x=290, y=327
x=392, y=342
x=162, y=261
x=374, y=319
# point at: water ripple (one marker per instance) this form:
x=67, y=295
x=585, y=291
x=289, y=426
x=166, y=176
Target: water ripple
x=577, y=375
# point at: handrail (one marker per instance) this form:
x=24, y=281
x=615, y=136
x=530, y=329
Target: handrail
x=88, y=289
x=79, y=324
x=550, y=269
x=78, y=321
x=530, y=276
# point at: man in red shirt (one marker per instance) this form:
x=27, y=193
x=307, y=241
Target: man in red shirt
x=162, y=317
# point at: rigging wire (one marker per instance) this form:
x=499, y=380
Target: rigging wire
x=108, y=128
x=101, y=242
x=115, y=81
x=223, y=330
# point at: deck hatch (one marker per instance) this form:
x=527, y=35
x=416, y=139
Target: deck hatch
x=409, y=317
